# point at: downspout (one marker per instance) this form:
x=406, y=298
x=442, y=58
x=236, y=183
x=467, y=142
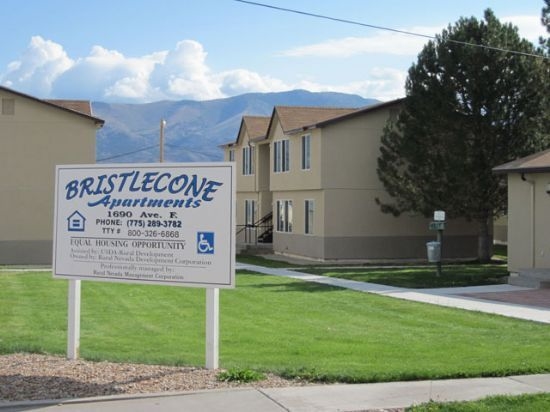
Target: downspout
x=532, y=212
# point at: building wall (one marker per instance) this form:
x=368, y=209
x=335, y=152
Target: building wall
x=528, y=221
x=33, y=141
x=246, y=183
x=348, y=223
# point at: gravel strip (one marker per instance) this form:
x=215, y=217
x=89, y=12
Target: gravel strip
x=38, y=377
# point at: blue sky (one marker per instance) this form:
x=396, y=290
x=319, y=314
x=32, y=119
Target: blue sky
x=140, y=51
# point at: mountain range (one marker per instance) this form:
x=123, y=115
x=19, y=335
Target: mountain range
x=194, y=130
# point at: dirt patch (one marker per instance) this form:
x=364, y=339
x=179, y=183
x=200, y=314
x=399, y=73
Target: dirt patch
x=36, y=377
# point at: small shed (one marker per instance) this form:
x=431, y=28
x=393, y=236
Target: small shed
x=528, y=218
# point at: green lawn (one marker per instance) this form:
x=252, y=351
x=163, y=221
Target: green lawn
x=262, y=261
x=421, y=277
x=521, y=403
x=272, y=324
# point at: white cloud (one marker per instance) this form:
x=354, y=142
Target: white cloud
x=381, y=83
x=185, y=74
x=241, y=81
x=38, y=67
x=382, y=42
x=44, y=70
x=108, y=74
x=529, y=27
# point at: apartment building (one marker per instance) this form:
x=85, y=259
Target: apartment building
x=312, y=171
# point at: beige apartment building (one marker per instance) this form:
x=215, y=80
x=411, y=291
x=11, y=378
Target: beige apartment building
x=529, y=216
x=313, y=172
x=35, y=136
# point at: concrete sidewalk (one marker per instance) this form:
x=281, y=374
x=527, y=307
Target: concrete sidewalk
x=320, y=398
x=450, y=297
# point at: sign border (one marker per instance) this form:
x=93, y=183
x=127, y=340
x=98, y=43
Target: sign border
x=230, y=283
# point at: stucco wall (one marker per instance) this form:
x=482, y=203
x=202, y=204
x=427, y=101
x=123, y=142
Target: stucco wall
x=528, y=221
x=33, y=140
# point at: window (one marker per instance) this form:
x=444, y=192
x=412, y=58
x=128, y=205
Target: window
x=281, y=156
x=309, y=217
x=8, y=106
x=231, y=155
x=248, y=154
x=249, y=212
x=306, y=152
x=284, y=215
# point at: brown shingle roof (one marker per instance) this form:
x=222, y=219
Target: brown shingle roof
x=256, y=126
x=535, y=163
x=81, y=106
x=295, y=117
x=78, y=107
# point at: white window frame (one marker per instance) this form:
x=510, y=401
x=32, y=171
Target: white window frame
x=249, y=212
x=231, y=155
x=306, y=152
x=284, y=216
x=309, y=213
x=281, y=156
x=248, y=160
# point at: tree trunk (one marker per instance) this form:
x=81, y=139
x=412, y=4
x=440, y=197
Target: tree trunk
x=485, y=241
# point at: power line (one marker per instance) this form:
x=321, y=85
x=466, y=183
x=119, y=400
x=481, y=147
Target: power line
x=372, y=26
x=128, y=153
x=149, y=148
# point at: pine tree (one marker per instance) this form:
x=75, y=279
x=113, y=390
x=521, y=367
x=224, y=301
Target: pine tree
x=467, y=109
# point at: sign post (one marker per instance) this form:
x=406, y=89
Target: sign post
x=73, y=327
x=437, y=224
x=212, y=327
x=168, y=224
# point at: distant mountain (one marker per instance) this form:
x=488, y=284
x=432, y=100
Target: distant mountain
x=194, y=129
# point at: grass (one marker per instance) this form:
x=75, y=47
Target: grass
x=422, y=277
x=520, y=403
x=272, y=324
x=262, y=261
x=500, y=252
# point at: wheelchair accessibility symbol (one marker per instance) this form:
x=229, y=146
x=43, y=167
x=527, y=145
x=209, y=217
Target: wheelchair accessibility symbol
x=205, y=243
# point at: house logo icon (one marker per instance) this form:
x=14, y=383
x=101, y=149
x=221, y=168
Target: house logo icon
x=76, y=222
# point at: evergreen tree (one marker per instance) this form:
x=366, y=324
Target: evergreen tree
x=545, y=20
x=467, y=109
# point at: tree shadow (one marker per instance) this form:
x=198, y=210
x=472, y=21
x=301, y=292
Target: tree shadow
x=297, y=286
x=17, y=387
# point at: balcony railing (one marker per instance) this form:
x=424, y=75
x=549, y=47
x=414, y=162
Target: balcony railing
x=259, y=232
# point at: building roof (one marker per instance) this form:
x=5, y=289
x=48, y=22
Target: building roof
x=315, y=119
x=295, y=117
x=535, y=163
x=256, y=126
x=79, y=107
x=358, y=112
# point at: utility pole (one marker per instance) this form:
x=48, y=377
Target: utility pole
x=161, y=145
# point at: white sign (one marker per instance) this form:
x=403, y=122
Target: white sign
x=148, y=223
x=439, y=216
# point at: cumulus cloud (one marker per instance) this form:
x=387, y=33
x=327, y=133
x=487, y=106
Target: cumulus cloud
x=38, y=67
x=44, y=70
x=184, y=73
x=106, y=74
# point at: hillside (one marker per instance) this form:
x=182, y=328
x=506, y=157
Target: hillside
x=194, y=129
